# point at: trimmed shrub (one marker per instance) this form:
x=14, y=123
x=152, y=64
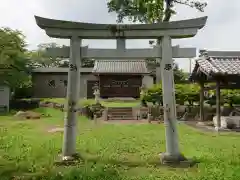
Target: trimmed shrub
x=153, y=95
x=21, y=104
x=190, y=94
x=91, y=108
x=25, y=92
x=183, y=92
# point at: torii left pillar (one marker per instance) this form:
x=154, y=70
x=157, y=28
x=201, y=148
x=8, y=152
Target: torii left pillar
x=73, y=90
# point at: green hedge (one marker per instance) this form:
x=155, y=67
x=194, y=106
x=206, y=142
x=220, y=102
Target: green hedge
x=189, y=93
x=229, y=97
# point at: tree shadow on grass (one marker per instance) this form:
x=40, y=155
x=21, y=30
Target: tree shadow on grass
x=87, y=167
x=148, y=163
x=130, y=163
x=11, y=171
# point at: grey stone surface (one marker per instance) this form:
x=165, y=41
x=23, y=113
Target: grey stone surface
x=176, y=160
x=104, y=54
x=67, y=29
x=227, y=121
x=62, y=24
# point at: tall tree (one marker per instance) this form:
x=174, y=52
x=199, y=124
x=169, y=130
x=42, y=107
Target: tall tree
x=86, y=63
x=152, y=11
x=14, y=65
x=39, y=58
x=149, y=11
x=179, y=74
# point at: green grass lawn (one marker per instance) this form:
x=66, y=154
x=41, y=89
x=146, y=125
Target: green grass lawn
x=106, y=103
x=112, y=151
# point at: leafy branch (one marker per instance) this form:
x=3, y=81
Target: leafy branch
x=149, y=11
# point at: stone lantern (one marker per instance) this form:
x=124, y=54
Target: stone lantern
x=142, y=89
x=96, y=93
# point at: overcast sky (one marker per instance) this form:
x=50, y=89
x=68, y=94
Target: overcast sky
x=220, y=33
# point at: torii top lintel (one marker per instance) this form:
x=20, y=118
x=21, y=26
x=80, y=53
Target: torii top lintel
x=67, y=29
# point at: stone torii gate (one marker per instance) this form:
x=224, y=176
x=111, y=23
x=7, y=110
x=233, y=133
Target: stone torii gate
x=122, y=53
x=166, y=31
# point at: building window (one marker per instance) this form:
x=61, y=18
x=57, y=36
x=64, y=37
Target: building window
x=51, y=83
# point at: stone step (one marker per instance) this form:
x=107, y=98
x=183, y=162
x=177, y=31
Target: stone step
x=121, y=116
x=120, y=110
x=119, y=113
x=115, y=118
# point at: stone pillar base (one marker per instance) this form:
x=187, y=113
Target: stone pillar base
x=218, y=129
x=179, y=160
x=68, y=160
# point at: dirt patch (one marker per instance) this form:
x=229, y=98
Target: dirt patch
x=207, y=127
x=200, y=126
x=55, y=129
x=27, y=115
x=30, y=115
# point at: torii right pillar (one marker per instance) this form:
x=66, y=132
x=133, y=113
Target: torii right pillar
x=172, y=153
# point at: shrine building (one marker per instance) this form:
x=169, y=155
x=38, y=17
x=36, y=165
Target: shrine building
x=115, y=78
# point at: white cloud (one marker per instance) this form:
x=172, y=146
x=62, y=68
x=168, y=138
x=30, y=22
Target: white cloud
x=220, y=33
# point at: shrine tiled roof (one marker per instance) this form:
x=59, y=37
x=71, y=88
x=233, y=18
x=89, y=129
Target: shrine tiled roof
x=219, y=65
x=120, y=66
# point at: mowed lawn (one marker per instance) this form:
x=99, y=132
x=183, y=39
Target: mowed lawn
x=111, y=151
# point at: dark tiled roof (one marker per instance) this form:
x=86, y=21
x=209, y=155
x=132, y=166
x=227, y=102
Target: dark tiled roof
x=120, y=66
x=218, y=65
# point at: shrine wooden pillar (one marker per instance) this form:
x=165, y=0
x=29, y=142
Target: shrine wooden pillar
x=201, y=101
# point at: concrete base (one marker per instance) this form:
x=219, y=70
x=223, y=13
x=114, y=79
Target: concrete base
x=200, y=123
x=178, y=161
x=68, y=160
x=218, y=129
x=228, y=121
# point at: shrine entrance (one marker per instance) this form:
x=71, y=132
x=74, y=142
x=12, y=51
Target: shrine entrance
x=120, y=78
x=164, y=53
x=120, y=86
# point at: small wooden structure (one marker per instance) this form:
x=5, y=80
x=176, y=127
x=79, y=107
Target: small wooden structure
x=221, y=67
x=122, y=78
